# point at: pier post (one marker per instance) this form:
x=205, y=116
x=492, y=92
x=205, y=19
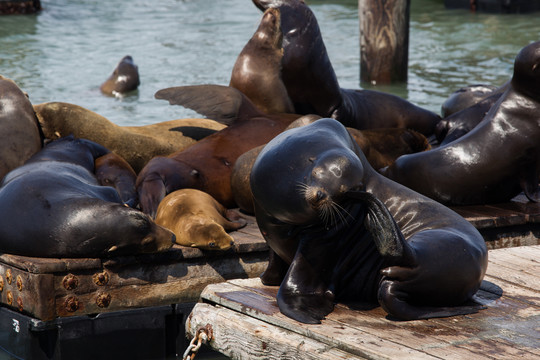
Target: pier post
x=384, y=40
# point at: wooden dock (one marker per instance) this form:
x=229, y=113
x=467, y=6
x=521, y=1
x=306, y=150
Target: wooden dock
x=246, y=322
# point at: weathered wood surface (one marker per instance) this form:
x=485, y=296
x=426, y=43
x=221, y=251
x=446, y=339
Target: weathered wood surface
x=247, y=324
x=384, y=40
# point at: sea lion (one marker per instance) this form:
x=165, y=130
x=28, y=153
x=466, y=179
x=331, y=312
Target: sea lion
x=496, y=160
x=207, y=164
x=380, y=146
x=112, y=170
x=19, y=130
x=313, y=87
x=136, y=144
x=198, y=220
x=339, y=231
x=465, y=111
x=53, y=206
x=466, y=97
x=257, y=70
x=125, y=78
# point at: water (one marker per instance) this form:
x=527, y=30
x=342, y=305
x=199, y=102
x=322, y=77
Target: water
x=67, y=51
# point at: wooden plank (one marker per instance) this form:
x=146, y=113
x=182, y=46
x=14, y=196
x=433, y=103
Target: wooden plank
x=255, y=339
x=508, y=328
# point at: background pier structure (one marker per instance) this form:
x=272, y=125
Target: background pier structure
x=384, y=40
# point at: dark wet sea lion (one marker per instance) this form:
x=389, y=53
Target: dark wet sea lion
x=198, y=220
x=207, y=165
x=19, y=129
x=496, y=160
x=136, y=144
x=465, y=97
x=112, y=170
x=463, y=118
x=69, y=213
x=125, y=78
x=380, y=146
x=313, y=87
x=257, y=70
x=339, y=231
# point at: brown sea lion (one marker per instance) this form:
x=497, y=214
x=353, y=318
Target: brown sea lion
x=198, y=220
x=136, y=144
x=257, y=70
x=313, y=87
x=53, y=206
x=339, y=231
x=496, y=160
x=112, y=170
x=19, y=130
x=125, y=78
x=207, y=165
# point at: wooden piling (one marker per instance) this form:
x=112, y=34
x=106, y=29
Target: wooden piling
x=384, y=40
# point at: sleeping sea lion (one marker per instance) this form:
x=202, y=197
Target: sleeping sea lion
x=136, y=144
x=53, y=206
x=198, y=220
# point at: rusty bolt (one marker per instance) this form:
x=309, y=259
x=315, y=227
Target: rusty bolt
x=9, y=277
x=1, y=284
x=103, y=300
x=9, y=298
x=72, y=304
x=70, y=282
x=20, y=303
x=19, y=283
x=101, y=279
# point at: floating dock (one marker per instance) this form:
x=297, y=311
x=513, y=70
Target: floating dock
x=53, y=308
x=246, y=323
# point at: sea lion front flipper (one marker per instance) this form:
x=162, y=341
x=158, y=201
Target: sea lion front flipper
x=304, y=294
x=528, y=180
x=386, y=234
x=223, y=104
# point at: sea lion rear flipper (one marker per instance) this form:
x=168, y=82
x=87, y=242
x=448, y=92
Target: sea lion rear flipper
x=386, y=234
x=223, y=104
x=395, y=304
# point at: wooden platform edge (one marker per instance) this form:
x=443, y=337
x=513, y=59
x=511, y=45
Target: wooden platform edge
x=507, y=328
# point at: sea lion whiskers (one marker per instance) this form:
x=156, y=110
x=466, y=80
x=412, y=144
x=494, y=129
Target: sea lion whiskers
x=329, y=211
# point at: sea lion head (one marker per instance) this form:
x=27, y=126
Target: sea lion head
x=526, y=78
x=301, y=176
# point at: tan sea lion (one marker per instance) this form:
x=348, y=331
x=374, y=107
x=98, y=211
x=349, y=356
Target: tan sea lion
x=136, y=144
x=198, y=220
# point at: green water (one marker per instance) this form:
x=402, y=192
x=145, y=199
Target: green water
x=66, y=52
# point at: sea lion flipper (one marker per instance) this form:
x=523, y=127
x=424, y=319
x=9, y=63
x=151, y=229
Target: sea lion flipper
x=303, y=294
x=216, y=102
x=386, y=234
x=528, y=180
x=394, y=302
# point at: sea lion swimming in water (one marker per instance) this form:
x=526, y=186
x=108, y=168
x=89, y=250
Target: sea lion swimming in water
x=125, y=78
x=339, y=231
